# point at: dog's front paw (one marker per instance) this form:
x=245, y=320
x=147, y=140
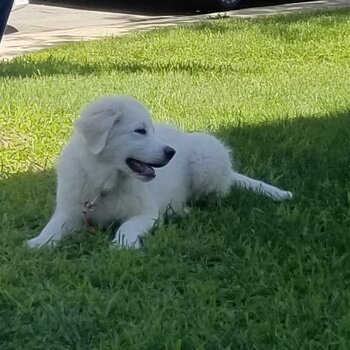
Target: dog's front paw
x=126, y=240
x=280, y=195
x=285, y=195
x=38, y=242
x=35, y=242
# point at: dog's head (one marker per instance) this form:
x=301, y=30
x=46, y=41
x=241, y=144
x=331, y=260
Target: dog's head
x=119, y=131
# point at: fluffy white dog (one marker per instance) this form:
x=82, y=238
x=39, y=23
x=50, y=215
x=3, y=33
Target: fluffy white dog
x=106, y=173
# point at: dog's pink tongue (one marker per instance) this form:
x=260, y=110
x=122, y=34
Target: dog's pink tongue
x=147, y=171
x=143, y=168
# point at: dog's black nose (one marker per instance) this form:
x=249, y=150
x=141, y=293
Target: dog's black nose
x=169, y=152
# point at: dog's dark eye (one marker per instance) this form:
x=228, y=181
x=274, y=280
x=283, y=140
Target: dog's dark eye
x=141, y=131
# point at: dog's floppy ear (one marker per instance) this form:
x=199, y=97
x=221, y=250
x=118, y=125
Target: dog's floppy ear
x=96, y=127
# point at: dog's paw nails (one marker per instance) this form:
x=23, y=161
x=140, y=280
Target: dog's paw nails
x=282, y=196
x=34, y=243
x=289, y=195
x=285, y=195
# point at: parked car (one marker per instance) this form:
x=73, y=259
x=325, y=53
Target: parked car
x=6, y=7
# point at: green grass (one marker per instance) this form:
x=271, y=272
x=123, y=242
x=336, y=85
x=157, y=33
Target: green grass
x=239, y=273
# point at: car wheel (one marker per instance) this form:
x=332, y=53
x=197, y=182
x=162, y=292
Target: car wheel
x=228, y=4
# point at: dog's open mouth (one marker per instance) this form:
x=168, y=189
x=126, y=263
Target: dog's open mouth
x=144, y=169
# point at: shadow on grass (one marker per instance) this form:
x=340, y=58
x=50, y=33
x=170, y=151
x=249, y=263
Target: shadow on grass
x=276, y=28
x=51, y=67
x=284, y=22
x=309, y=156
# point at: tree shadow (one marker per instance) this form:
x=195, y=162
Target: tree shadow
x=274, y=28
x=308, y=156
x=53, y=66
x=289, y=29
x=280, y=26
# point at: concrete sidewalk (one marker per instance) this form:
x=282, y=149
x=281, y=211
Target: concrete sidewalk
x=41, y=26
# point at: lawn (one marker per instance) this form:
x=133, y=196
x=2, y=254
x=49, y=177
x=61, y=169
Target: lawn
x=243, y=272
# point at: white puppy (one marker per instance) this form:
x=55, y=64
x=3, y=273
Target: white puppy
x=106, y=172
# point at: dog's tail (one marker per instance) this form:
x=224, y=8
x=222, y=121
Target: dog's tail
x=260, y=187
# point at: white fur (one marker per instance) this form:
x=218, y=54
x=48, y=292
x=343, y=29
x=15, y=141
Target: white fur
x=93, y=162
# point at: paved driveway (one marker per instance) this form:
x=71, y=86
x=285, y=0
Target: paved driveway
x=39, y=26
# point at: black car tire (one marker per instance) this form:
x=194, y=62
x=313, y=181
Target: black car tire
x=228, y=4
